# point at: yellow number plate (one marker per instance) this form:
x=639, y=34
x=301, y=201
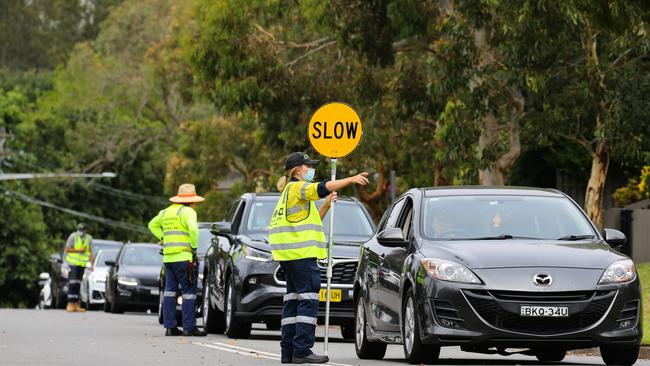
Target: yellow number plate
x=335, y=295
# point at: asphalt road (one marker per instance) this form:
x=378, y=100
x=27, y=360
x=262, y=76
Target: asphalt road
x=54, y=337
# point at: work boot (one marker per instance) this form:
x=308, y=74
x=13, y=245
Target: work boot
x=313, y=358
x=195, y=332
x=173, y=332
x=287, y=356
x=78, y=308
x=70, y=308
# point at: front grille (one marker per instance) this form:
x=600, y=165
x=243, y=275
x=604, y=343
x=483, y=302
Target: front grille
x=486, y=304
x=540, y=297
x=343, y=273
x=150, y=282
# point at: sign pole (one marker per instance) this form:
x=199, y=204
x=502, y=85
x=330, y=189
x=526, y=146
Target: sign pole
x=330, y=264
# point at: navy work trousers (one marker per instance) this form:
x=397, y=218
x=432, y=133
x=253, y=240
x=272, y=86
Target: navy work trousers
x=177, y=274
x=75, y=276
x=300, y=307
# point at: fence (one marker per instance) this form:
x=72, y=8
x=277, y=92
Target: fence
x=634, y=222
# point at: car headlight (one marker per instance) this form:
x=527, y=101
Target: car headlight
x=256, y=254
x=449, y=271
x=127, y=281
x=619, y=272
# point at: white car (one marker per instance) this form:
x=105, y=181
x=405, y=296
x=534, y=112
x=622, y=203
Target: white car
x=93, y=284
x=45, y=296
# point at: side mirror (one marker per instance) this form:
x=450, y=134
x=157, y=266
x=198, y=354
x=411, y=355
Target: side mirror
x=393, y=237
x=43, y=278
x=55, y=258
x=614, y=238
x=221, y=228
x=110, y=263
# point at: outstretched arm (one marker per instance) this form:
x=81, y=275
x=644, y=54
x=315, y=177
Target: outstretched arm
x=360, y=179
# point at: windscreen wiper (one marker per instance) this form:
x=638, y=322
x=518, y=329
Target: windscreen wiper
x=497, y=237
x=576, y=237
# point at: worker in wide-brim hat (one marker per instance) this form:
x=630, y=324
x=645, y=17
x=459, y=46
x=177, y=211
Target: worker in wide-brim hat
x=297, y=240
x=178, y=229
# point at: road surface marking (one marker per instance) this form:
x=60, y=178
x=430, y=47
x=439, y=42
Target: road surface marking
x=250, y=352
x=236, y=351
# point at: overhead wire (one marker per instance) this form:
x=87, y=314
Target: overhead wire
x=102, y=220
x=101, y=187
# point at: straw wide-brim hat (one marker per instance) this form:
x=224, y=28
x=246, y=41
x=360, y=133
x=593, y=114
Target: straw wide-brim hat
x=187, y=194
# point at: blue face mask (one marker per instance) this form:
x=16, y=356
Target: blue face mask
x=309, y=177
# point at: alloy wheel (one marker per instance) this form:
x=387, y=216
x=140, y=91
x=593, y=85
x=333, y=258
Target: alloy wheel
x=206, y=306
x=360, y=323
x=409, y=325
x=229, y=307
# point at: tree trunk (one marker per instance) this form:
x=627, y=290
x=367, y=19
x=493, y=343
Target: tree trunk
x=600, y=156
x=596, y=184
x=495, y=173
x=372, y=199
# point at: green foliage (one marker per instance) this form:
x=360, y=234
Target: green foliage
x=24, y=251
x=41, y=33
x=636, y=189
x=644, y=274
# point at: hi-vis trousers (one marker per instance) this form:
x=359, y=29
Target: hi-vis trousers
x=300, y=308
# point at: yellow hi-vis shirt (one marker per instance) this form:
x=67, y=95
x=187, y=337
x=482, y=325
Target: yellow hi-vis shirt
x=76, y=242
x=296, y=229
x=177, y=227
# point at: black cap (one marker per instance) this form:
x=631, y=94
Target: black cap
x=297, y=159
x=82, y=227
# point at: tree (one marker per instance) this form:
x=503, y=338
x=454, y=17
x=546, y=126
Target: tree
x=41, y=33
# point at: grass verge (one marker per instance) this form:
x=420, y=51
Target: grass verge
x=644, y=274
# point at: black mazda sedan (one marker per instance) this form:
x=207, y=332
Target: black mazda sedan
x=132, y=279
x=492, y=270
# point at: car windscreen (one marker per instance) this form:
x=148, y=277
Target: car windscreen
x=205, y=239
x=105, y=255
x=103, y=246
x=350, y=222
x=135, y=255
x=494, y=217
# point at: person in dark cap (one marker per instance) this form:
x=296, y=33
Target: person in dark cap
x=79, y=252
x=297, y=241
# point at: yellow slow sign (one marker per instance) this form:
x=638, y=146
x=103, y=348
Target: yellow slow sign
x=335, y=130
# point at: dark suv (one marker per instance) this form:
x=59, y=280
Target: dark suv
x=244, y=285
x=493, y=269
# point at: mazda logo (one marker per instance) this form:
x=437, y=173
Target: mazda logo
x=542, y=279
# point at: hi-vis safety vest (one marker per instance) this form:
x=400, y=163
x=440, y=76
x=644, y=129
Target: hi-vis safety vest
x=79, y=259
x=176, y=237
x=291, y=240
